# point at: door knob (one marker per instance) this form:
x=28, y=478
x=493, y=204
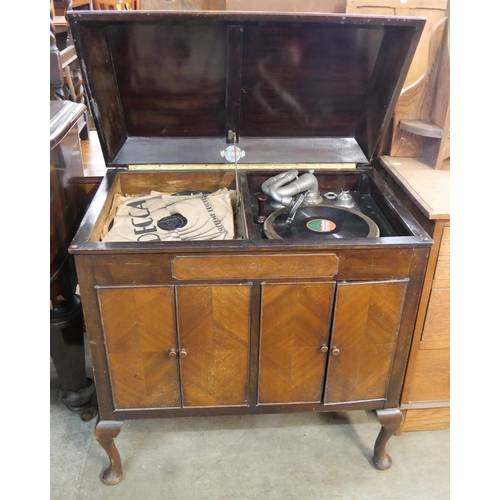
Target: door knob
x=183, y=353
x=335, y=351
x=172, y=353
x=324, y=348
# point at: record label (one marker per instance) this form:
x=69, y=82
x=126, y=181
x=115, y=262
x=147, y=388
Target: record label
x=321, y=225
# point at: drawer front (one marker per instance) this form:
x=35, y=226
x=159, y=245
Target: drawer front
x=255, y=266
x=431, y=378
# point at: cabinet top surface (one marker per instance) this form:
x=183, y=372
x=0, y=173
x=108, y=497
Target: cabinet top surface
x=176, y=87
x=428, y=187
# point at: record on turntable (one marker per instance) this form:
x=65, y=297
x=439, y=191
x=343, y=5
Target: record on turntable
x=320, y=221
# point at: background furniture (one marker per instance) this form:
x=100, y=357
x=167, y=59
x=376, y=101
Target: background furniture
x=421, y=127
x=116, y=4
x=67, y=207
x=66, y=81
x=425, y=400
x=422, y=116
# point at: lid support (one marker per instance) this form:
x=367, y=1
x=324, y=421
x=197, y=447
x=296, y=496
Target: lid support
x=233, y=81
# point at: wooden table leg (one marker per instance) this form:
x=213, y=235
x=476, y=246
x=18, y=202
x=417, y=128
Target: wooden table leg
x=105, y=432
x=391, y=420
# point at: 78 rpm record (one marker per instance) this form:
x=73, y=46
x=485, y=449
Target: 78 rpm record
x=320, y=221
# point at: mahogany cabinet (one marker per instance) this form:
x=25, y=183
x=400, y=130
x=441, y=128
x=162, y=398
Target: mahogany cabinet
x=190, y=102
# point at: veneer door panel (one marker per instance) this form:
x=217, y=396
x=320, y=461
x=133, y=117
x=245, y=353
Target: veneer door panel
x=139, y=332
x=214, y=344
x=295, y=328
x=365, y=329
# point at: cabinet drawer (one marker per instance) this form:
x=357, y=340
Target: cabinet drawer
x=431, y=378
x=255, y=266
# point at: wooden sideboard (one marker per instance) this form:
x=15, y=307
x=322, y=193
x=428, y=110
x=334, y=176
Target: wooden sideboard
x=425, y=400
x=68, y=202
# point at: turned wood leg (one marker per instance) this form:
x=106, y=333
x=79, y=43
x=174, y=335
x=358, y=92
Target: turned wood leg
x=390, y=420
x=105, y=432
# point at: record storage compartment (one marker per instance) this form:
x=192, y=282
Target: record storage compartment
x=248, y=325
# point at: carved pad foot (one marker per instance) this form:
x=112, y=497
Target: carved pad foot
x=391, y=420
x=105, y=432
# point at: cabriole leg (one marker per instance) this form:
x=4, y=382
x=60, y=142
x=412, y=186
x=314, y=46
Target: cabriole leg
x=390, y=420
x=105, y=432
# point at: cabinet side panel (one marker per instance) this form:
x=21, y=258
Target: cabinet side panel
x=295, y=325
x=365, y=330
x=139, y=331
x=214, y=342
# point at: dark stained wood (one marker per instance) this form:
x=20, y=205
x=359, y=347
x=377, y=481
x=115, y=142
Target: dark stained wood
x=391, y=420
x=233, y=81
x=214, y=334
x=68, y=200
x=363, y=344
x=178, y=87
x=68, y=203
x=295, y=330
x=140, y=331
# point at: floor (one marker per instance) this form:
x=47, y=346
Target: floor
x=265, y=457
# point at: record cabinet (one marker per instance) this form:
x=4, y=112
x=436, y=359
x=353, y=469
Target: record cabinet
x=311, y=305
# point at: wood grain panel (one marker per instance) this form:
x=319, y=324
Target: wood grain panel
x=428, y=419
x=431, y=376
x=255, y=266
x=295, y=323
x=214, y=330
x=436, y=333
x=382, y=264
x=442, y=273
x=365, y=330
x=139, y=330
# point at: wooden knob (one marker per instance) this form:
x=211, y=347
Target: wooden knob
x=172, y=353
x=183, y=353
x=324, y=348
x=335, y=351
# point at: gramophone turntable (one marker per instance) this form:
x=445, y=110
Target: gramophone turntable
x=290, y=205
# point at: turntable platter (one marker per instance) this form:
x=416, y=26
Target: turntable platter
x=320, y=221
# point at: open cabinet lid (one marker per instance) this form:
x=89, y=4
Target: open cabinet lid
x=177, y=87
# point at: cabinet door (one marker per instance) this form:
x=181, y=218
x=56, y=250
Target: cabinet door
x=214, y=344
x=295, y=327
x=139, y=331
x=365, y=330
